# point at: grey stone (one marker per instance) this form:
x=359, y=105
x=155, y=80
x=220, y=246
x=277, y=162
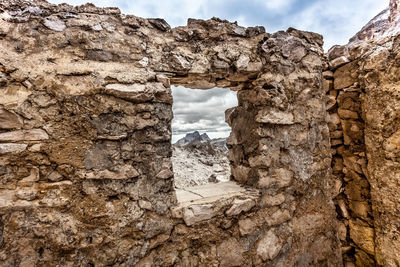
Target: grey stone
x=269, y=246
x=12, y=148
x=54, y=24
x=198, y=213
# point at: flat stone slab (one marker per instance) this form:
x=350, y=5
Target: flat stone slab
x=208, y=191
x=186, y=196
x=204, y=202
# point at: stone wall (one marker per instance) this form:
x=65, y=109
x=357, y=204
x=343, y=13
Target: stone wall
x=363, y=99
x=85, y=130
x=346, y=122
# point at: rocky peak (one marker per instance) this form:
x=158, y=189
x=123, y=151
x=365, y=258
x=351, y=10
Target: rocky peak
x=193, y=137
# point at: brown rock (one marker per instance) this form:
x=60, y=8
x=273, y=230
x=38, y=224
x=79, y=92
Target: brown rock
x=338, y=62
x=198, y=213
x=230, y=253
x=338, y=51
x=345, y=76
x=280, y=178
x=275, y=200
x=278, y=217
x=347, y=114
x=363, y=236
x=9, y=120
x=247, y=226
x=240, y=173
x=24, y=135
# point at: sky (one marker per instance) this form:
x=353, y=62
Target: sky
x=336, y=20
x=201, y=110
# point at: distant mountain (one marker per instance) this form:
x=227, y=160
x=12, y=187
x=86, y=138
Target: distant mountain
x=193, y=137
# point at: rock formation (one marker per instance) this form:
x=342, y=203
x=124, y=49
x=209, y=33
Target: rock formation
x=192, y=137
x=198, y=160
x=85, y=151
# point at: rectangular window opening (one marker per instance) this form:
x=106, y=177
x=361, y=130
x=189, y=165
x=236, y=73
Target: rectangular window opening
x=199, y=134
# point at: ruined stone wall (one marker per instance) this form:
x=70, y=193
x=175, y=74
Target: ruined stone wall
x=363, y=103
x=346, y=122
x=85, y=129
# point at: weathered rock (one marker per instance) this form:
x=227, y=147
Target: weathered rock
x=26, y=193
x=105, y=192
x=345, y=76
x=24, y=135
x=278, y=217
x=275, y=117
x=230, y=253
x=198, y=213
x=124, y=172
x=338, y=51
x=347, y=114
x=269, y=246
x=12, y=148
x=338, y=62
x=280, y=178
x=247, y=226
x=273, y=200
x=55, y=24
x=239, y=206
x=9, y=120
x=240, y=173
x=363, y=236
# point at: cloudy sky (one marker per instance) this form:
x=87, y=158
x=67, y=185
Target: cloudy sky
x=336, y=20
x=201, y=110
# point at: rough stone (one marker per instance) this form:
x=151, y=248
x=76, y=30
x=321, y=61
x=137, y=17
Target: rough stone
x=24, y=135
x=345, y=76
x=337, y=51
x=198, y=213
x=269, y=246
x=54, y=24
x=278, y=217
x=280, y=178
x=12, y=148
x=239, y=206
x=9, y=120
x=363, y=236
x=105, y=192
x=275, y=117
x=26, y=193
x=275, y=200
x=338, y=62
x=247, y=226
x=230, y=253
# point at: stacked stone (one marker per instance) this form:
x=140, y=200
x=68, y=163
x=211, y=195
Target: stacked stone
x=86, y=175
x=349, y=162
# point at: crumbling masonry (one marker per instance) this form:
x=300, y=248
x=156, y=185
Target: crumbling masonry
x=85, y=156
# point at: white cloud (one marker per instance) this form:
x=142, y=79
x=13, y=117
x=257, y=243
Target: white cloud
x=337, y=20
x=278, y=5
x=201, y=110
